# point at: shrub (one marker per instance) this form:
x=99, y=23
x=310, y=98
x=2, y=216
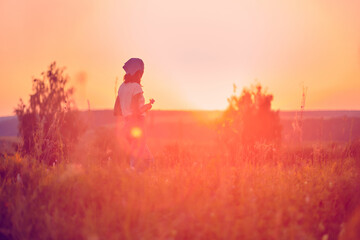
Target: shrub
x=48, y=126
x=249, y=120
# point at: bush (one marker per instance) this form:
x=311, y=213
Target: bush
x=249, y=120
x=48, y=126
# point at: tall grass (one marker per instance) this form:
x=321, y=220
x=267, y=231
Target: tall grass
x=199, y=199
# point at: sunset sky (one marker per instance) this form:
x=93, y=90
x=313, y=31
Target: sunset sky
x=194, y=51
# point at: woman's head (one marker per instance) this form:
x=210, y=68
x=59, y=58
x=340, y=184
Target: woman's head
x=134, y=69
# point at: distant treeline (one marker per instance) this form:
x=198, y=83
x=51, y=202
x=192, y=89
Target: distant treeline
x=340, y=129
x=316, y=126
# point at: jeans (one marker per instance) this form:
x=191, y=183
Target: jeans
x=135, y=133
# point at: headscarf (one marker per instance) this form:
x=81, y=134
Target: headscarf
x=133, y=65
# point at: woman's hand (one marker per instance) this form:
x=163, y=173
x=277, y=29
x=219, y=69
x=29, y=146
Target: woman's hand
x=147, y=106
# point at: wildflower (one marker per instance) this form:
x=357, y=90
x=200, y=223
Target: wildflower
x=18, y=178
x=321, y=227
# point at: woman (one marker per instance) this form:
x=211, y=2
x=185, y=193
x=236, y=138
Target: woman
x=130, y=103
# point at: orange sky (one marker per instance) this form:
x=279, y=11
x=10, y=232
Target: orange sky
x=193, y=50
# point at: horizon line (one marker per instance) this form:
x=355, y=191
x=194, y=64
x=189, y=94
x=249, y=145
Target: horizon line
x=215, y=110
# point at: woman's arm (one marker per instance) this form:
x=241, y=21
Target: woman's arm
x=138, y=105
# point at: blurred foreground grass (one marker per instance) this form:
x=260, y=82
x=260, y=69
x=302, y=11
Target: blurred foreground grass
x=203, y=200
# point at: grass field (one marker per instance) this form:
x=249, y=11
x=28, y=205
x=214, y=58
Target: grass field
x=188, y=193
x=196, y=189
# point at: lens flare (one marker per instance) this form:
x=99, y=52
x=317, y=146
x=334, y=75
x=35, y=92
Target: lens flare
x=136, y=132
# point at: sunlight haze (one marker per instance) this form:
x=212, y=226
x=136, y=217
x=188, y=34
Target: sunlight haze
x=194, y=51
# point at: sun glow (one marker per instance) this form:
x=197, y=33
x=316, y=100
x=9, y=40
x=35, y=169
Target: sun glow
x=281, y=43
x=136, y=132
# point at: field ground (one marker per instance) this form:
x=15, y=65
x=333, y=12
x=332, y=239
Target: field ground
x=194, y=190
x=179, y=198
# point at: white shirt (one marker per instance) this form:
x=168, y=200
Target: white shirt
x=126, y=93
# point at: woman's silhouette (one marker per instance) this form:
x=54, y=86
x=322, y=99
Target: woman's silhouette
x=130, y=103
